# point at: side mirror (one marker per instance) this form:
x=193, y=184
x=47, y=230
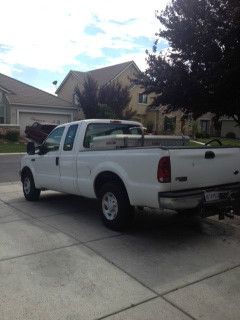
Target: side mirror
x=30, y=148
x=42, y=149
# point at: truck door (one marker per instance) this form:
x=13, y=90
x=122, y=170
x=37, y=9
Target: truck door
x=47, y=164
x=68, y=163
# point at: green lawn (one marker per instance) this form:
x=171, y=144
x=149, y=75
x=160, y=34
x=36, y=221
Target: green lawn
x=225, y=142
x=11, y=147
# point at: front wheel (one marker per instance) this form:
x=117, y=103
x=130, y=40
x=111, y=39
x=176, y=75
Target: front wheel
x=116, y=210
x=31, y=193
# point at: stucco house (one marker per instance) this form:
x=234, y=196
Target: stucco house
x=122, y=73
x=229, y=126
x=22, y=104
x=154, y=118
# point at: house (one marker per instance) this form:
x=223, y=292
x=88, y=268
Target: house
x=22, y=104
x=229, y=128
x=122, y=73
x=163, y=122
x=154, y=118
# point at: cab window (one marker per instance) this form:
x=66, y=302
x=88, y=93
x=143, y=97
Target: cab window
x=69, y=140
x=52, y=142
x=105, y=129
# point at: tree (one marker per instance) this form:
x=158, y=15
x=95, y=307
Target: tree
x=108, y=101
x=87, y=98
x=116, y=98
x=201, y=70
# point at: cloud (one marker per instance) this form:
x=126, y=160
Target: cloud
x=50, y=35
x=92, y=30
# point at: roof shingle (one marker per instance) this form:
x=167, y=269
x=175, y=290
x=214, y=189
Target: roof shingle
x=21, y=93
x=103, y=75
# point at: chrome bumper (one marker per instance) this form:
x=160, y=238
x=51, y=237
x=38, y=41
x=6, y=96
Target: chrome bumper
x=181, y=200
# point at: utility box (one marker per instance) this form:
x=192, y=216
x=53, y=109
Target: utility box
x=119, y=141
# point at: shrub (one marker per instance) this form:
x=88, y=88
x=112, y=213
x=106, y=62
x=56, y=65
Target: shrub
x=194, y=129
x=149, y=127
x=201, y=135
x=230, y=135
x=12, y=135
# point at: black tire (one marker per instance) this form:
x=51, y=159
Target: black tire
x=122, y=212
x=31, y=193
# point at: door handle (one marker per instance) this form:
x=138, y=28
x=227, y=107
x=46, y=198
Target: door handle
x=57, y=161
x=209, y=155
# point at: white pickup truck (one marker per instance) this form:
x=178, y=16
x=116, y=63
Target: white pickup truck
x=178, y=178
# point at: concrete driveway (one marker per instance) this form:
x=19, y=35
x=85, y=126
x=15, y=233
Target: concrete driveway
x=57, y=261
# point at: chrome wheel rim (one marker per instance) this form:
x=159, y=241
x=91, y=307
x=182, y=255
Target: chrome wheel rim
x=27, y=185
x=109, y=206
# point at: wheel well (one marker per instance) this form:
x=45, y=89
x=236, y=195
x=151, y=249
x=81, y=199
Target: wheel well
x=104, y=178
x=24, y=171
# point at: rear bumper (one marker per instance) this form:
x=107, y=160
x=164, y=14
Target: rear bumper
x=190, y=199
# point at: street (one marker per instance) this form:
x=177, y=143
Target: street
x=9, y=167
x=57, y=261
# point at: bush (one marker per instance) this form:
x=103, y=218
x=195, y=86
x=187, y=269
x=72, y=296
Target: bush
x=149, y=127
x=12, y=136
x=230, y=135
x=194, y=129
x=200, y=135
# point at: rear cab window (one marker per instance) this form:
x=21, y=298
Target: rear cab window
x=105, y=129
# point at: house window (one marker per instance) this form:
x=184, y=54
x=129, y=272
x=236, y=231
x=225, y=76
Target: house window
x=142, y=98
x=169, y=124
x=2, y=113
x=205, y=125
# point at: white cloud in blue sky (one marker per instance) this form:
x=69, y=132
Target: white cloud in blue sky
x=40, y=41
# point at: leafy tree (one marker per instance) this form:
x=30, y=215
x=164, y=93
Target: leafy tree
x=108, y=101
x=201, y=70
x=87, y=98
x=116, y=98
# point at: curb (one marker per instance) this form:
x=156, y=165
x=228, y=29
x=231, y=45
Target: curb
x=12, y=153
x=9, y=183
x=198, y=142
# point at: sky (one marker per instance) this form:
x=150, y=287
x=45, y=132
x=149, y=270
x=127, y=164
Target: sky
x=41, y=40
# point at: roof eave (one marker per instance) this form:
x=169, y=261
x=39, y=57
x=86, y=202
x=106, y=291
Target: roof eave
x=41, y=105
x=5, y=90
x=64, y=80
x=129, y=65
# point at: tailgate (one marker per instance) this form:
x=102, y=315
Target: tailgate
x=197, y=168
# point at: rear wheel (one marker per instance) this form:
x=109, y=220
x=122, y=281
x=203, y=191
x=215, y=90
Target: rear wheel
x=31, y=193
x=116, y=210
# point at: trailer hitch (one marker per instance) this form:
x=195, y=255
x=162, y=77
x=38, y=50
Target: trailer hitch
x=227, y=212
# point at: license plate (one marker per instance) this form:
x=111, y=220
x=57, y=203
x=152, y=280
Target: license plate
x=212, y=196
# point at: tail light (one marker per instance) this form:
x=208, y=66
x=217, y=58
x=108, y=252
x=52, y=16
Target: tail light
x=164, y=170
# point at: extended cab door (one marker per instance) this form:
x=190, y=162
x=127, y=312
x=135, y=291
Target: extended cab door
x=47, y=164
x=68, y=162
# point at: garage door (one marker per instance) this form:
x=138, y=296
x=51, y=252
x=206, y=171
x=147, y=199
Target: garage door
x=27, y=118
